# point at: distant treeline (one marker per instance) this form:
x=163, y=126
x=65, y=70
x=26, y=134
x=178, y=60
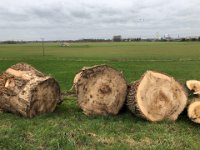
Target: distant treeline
x=190, y=39
x=106, y=40
x=12, y=42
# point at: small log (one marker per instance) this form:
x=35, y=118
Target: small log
x=28, y=92
x=101, y=90
x=194, y=110
x=156, y=97
x=194, y=86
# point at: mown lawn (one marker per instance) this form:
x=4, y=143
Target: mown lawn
x=68, y=128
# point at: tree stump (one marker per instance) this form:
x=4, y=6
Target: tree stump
x=194, y=86
x=101, y=90
x=28, y=92
x=156, y=97
x=194, y=110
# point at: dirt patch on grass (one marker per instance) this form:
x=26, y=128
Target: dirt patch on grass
x=124, y=140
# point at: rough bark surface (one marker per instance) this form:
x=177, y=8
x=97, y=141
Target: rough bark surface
x=156, y=97
x=76, y=79
x=101, y=90
x=28, y=92
x=194, y=110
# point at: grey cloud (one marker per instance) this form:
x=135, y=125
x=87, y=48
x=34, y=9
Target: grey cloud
x=80, y=14
x=74, y=19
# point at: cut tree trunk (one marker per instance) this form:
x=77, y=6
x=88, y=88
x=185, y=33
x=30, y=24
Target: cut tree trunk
x=156, y=97
x=101, y=90
x=194, y=86
x=194, y=111
x=28, y=92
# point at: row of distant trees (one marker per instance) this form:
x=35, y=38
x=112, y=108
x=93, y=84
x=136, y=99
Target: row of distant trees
x=190, y=39
x=115, y=39
x=118, y=38
x=12, y=42
x=70, y=41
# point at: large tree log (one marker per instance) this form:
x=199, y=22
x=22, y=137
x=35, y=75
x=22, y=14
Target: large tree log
x=194, y=110
x=28, y=92
x=156, y=97
x=101, y=90
x=194, y=86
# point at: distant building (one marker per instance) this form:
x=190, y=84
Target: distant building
x=64, y=44
x=117, y=38
x=167, y=37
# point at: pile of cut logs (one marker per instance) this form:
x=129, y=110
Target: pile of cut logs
x=100, y=90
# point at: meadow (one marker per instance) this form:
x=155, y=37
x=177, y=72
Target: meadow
x=68, y=128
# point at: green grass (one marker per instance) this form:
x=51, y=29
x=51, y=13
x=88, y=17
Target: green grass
x=68, y=128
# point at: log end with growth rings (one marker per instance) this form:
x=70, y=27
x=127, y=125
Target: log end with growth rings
x=44, y=96
x=193, y=85
x=156, y=97
x=194, y=111
x=101, y=90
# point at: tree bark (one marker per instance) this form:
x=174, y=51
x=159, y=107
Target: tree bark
x=101, y=90
x=28, y=92
x=76, y=79
x=156, y=97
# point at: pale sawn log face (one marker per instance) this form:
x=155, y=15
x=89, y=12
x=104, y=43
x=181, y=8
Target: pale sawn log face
x=194, y=111
x=44, y=97
x=101, y=90
x=157, y=97
x=193, y=85
x=28, y=92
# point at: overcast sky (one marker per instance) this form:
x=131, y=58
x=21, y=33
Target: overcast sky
x=76, y=19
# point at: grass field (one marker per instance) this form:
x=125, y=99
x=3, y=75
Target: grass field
x=67, y=128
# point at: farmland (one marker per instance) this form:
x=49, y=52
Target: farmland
x=68, y=128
